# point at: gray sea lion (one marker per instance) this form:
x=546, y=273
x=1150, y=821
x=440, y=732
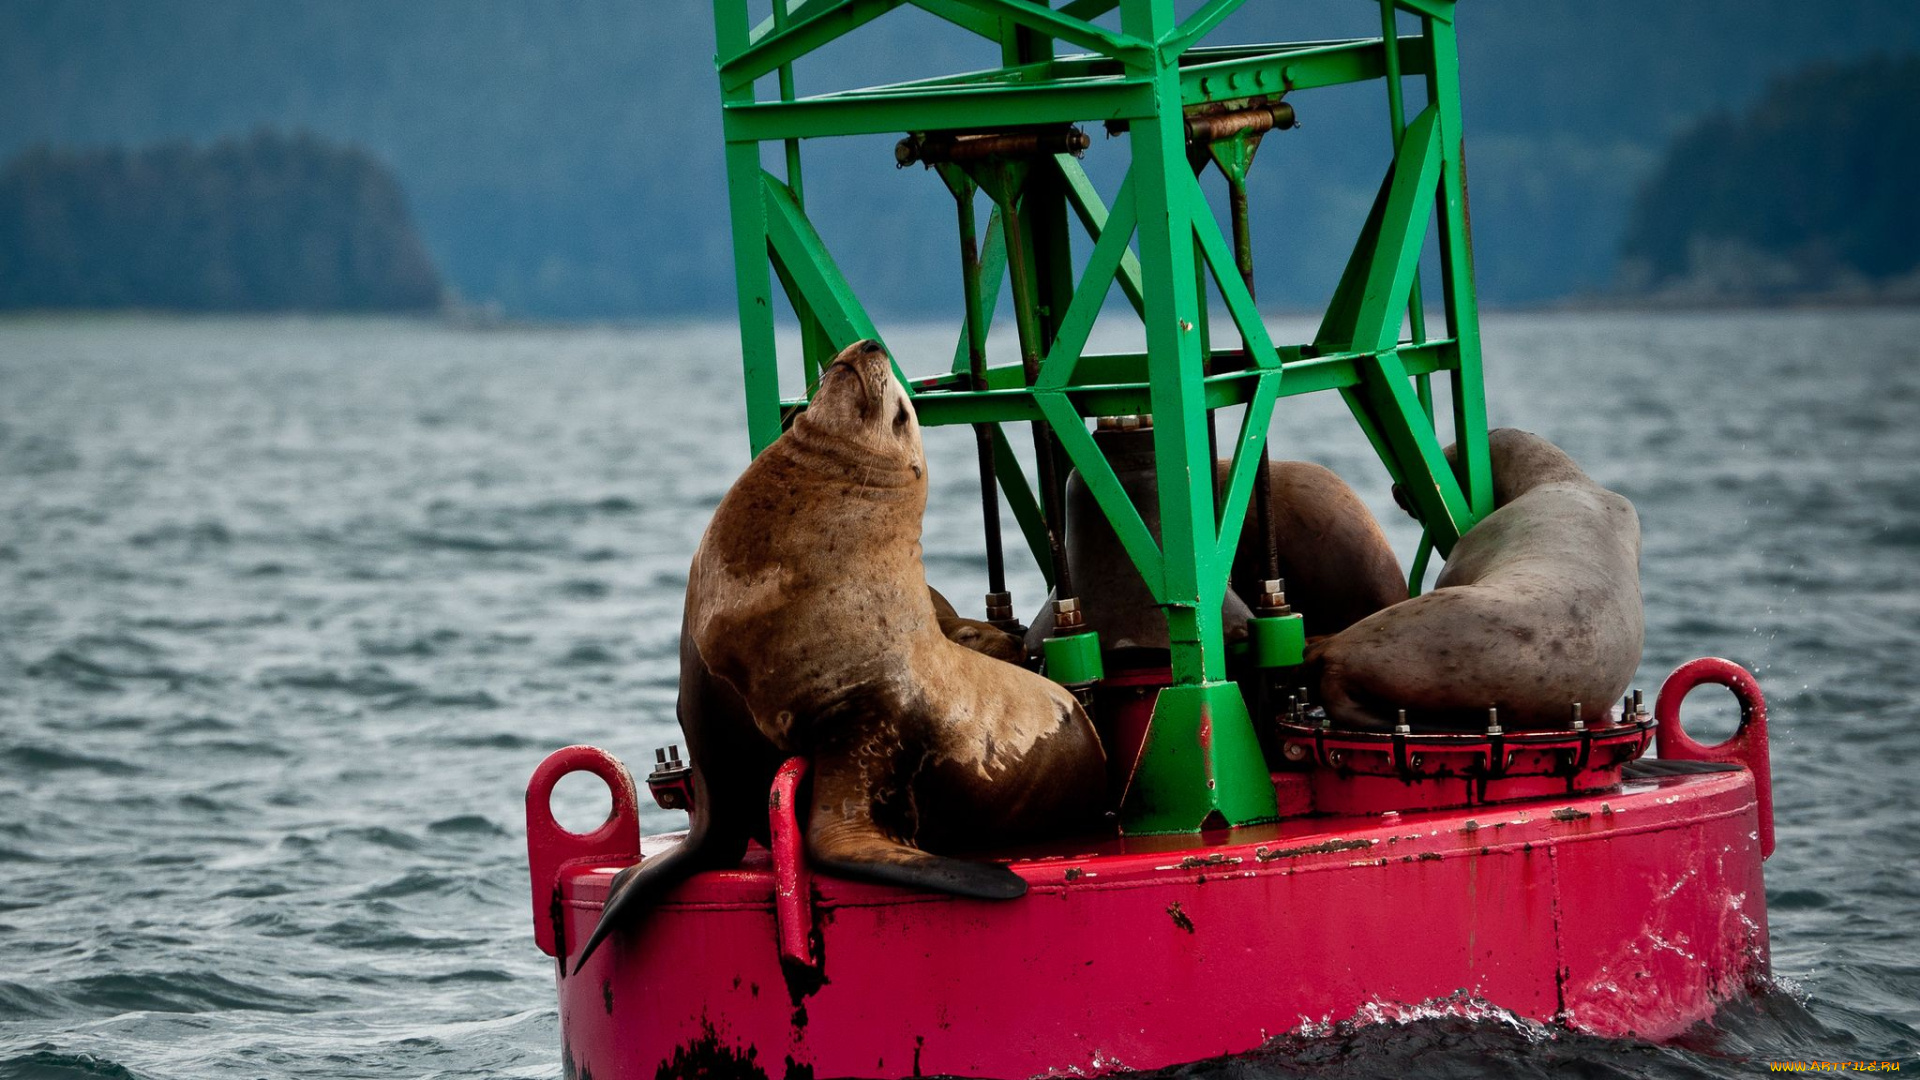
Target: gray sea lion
x=1538, y=608
x=809, y=629
x=1337, y=563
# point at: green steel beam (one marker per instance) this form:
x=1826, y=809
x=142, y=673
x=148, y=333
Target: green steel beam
x=1057, y=24
x=1103, y=264
x=807, y=29
x=987, y=106
x=753, y=281
x=1162, y=176
x=1088, y=9
x=1097, y=473
x=1233, y=288
x=1092, y=211
x=1382, y=302
x=1440, y=11
x=1423, y=472
x=1246, y=457
x=1277, y=71
x=993, y=270
x=803, y=257
x=1456, y=262
x=963, y=16
x=1121, y=390
x=1020, y=499
x=1198, y=25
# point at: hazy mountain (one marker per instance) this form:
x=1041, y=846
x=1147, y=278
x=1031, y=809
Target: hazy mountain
x=565, y=159
x=266, y=223
x=1808, y=192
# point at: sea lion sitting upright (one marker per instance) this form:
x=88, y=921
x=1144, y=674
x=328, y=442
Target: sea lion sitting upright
x=809, y=629
x=1538, y=608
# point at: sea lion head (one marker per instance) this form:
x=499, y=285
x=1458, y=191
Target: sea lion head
x=1520, y=461
x=860, y=407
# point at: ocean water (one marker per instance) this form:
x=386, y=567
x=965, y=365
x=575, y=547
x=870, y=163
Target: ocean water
x=289, y=610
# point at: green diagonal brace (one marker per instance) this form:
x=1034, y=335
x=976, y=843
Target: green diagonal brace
x=1091, y=294
x=803, y=258
x=993, y=269
x=815, y=25
x=1092, y=213
x=1233, y=288
x=1424, y=474
x=1099, y=477
x=1056, y=24
x=1403, y=232
x=1246, y=456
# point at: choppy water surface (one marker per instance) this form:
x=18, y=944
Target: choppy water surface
x=289, y=611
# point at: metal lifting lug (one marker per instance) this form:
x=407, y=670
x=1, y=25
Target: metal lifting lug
x=671, y=780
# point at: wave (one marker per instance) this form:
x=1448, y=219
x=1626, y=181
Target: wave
x=51, y=1064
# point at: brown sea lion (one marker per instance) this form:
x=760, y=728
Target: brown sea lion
x=1337, y=563
x=976, y=634
x=809, y=629
x=1538, y=608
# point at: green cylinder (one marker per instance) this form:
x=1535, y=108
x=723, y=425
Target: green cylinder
x=1074, y=659
x=1278, y=641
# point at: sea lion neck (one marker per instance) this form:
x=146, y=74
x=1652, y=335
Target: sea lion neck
x=848, y=459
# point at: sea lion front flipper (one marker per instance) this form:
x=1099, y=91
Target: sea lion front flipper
x=843, y=838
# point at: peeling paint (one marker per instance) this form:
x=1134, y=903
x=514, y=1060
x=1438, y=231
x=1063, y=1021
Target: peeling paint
x=1180, y=918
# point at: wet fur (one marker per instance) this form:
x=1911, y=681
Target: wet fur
x=1538, y=607
x=809, y=629
x=1337, y=563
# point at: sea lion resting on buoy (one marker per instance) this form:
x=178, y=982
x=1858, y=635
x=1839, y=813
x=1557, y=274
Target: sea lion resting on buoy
x=976, y=634
x=1538, y=608
x=1334, y=557
x=809, y=629
x=1337, y=563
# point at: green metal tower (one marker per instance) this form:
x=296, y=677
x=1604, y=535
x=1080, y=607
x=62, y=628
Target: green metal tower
x=1009, y=132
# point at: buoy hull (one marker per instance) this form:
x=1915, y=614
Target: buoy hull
x=1631, y=912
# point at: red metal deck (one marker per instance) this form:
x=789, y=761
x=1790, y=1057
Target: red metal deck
x=1633, y=912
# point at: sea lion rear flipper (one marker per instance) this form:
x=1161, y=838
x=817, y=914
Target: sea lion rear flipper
x=717, y=839
x=844, y=839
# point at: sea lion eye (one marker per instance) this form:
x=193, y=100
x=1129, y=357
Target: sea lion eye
x=899, y=418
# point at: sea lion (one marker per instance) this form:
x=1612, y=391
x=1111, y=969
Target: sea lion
x=1337, y=563
x=809, y=629
x=1332, y=553
x=976, y=634
x=1538, y=608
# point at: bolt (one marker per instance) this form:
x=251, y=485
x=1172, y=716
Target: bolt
x=1578, y=724
x=1400, y=726
x=1295, y=751
x=1416, y=761
x=1335, y=757
x=1639, y=703
x=1493, y=720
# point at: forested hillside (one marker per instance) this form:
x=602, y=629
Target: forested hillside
x=265, y=223
x=565, y=159
x=1808, y=192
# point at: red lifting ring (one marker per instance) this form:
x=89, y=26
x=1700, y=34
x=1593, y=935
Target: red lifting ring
x=552, y=849
x=1747, y=747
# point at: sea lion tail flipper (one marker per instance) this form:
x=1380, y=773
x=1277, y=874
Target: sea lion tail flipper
x=716, y=839
x=844, y=839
